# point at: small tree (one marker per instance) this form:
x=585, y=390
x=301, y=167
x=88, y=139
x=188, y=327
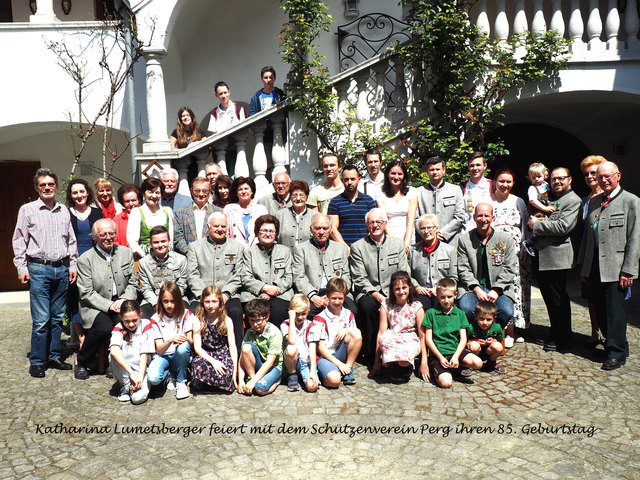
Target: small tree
x=110, y=40
x=468, y=76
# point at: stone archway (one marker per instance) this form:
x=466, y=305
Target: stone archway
x=532, y=142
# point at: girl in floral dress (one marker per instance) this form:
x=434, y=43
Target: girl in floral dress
x=398, y=342
x=215, y=363
x=511, y=216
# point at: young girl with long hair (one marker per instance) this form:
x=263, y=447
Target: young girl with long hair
x=130, y=351
x=398, y=339
x=173, y=325
x=215, y=365
x=187, y=129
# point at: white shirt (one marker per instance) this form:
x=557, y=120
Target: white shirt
x=152, y=220
x=475, y=193
x=199, y=215
x=139, y=342
x=369, y=186
x=304, y=336
x=328, y=325
x=165, y=327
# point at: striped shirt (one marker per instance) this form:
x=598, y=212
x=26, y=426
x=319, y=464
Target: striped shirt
x=43, y=233
x=351, y=215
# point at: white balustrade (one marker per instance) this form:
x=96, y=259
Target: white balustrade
x=594, y=25
x=220, y=147
x=278, y=153
x=363, y=111
x=612, y=26
x=520, y=24
x=399, y=95
x=576, y=26
x=242, y=165
x=342, y=90
x=182, y=165
x=557, y=20
x=501, y=26
x=379, y=95
x=483, y=18
x=259, y=160
x=632, y=24
x=538, y=24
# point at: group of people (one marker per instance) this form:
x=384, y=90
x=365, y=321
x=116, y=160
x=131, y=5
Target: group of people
x=231, y=292
x=227, y=114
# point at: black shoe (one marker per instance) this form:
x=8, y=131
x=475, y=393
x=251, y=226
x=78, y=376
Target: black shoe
x=81, y=373
x=37, y=371
x=59, y=364
x=613, y=363
x=108, y=373
x=550, y=346
x=540, y=341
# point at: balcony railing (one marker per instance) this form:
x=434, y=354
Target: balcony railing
x=600, y=30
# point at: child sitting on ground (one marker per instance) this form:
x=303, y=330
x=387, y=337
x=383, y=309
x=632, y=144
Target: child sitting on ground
x=340, y=340
x=260, y=365
x=131, y=349
x=299, y=345
x=444, y=330
x=400, y=317
x=486, y=336
x=173, y=325
x=215, y=363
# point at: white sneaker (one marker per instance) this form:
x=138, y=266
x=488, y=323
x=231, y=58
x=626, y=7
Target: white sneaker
x=171, y=384
x=182, y=391
x=520, y=340
x=508, y=342
x=124, y=394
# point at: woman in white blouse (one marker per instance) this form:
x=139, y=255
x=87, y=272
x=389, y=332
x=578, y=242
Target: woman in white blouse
x=242, y=212
x=147, y=216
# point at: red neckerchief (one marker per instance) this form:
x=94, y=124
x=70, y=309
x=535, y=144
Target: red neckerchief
x=430, y=249
x=604, y=205
x=109, y=210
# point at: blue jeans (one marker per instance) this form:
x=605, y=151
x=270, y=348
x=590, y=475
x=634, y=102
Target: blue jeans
x=504, y=304
x=325, y=366
x=177, y=362
x=271, y=377
x=47, y=295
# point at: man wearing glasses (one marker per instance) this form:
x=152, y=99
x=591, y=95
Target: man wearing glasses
x=106, y=278
x=191, y=222
x=609, y=255
x=45, y=255
x=552, y=237
x=280, y=198
x=374, y=259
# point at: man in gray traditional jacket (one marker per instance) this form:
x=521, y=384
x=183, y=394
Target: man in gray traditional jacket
x=215, y=260
x=317, y=261
x=374, y=259
x=552, y=236
x=444, y=200
x=106, y=278
x=487, y=265
x=609, y=255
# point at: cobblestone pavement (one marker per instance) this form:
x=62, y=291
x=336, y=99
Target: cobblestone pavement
x=552, y=416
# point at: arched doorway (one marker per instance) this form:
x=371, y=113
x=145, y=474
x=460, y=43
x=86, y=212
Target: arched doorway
x=532, y=142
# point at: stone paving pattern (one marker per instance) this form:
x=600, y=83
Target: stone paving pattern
x=540, y=390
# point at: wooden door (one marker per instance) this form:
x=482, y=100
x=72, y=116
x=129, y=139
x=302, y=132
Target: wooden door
x=16, y=179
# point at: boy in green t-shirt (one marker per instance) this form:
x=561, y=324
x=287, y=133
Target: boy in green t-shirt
x=486, y=336
x=444, y=330
x=261, y=355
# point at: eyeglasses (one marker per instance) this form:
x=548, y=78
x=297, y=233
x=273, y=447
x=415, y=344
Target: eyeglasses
x=592, y=173
x=298, y=195
x=281, y=184
x=107, y=235
x=257, y=319
x=429, y=228
x=559, y=179
x=267, y=232
x=377, y=222
x=201, y=190
x=607, y=177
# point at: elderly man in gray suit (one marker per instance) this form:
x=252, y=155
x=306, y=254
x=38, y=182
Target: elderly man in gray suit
x=609, y=255
x=552, y=236
x=487, y=265
x=442, y=199
x=317, y=261
x=215, y=260
x=106, y=278
x=374, y=259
